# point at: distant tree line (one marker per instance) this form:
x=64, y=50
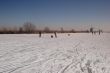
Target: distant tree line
x=31, y=28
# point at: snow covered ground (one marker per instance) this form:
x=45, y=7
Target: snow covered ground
x=77, y=53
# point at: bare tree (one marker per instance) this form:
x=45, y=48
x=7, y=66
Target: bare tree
x=29, y=27
x=46, y=29
x=72, y=31
x=20, y=30
x=62, y=30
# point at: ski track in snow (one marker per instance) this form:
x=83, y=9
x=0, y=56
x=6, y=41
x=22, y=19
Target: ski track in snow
x=77, y=53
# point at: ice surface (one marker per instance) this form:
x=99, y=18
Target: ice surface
x=77, y=53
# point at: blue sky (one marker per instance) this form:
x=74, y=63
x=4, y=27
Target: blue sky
x=56, y=13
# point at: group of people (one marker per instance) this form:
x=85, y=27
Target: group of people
x=91, y=31
x=94, y=32
x=40, y=33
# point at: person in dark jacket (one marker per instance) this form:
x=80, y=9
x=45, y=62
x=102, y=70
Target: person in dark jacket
x=55, y=34
x=91, y=30
x=40, y=33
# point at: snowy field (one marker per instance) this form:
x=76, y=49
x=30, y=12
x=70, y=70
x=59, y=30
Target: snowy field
x=77, y=53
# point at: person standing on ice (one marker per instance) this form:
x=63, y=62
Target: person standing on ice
x=55, y=34
x=91, y=30
x=100, y=31
x=40, y=33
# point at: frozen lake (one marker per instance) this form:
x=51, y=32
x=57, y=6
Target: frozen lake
x=77, y=53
